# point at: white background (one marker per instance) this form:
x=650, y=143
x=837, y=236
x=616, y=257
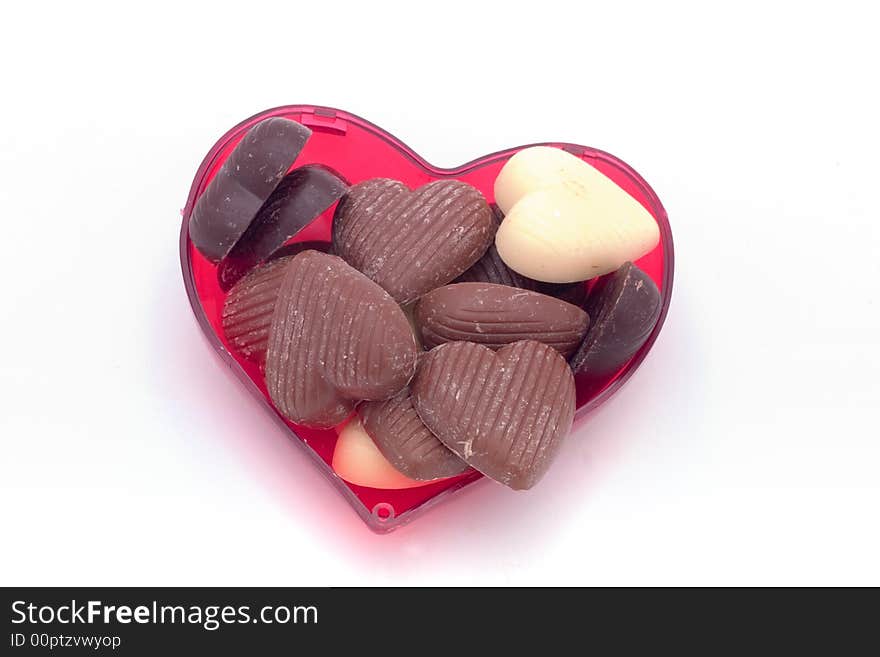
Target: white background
x=745, y=450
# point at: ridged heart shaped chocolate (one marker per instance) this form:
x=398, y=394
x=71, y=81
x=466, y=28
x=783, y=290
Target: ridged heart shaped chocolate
x=504, y=413
x=496, y=315
x=406, y=442
x=410, y=242
x=247, y=311
x=336, y=338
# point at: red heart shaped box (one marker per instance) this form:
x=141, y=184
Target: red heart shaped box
x=358, y=150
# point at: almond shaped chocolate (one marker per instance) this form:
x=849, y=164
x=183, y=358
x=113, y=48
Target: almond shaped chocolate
x=504, y=413
x=495, y=315
x=624, y=307
x=410, y=242
x=300, y=198
x=335, y=338
x=248, y=176
x=406, y=442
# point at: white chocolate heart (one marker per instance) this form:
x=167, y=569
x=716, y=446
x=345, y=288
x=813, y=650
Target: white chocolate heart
x=357, y=460
x=565, y=220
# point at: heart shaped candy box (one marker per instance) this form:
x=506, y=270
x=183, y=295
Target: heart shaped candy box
x=359, y=150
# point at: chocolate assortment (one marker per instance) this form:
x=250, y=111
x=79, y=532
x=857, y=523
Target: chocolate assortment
x=434, y=330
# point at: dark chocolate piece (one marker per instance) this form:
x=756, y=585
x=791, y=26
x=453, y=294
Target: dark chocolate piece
x=573, y=293
x=244, y=182
x=300, y=198
x=410, y=242
x=336, y=338
x=624, y=307
x=405, y=441
x=247, y=311
x=496, y=315
x=504, y=413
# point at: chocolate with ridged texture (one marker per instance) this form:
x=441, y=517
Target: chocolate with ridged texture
x=406, y=442
x=300, y=198
x=504, y=413
x=247, y=311
x=492, y=269
x=624, y=307
x=410, y=242
x=496, y=315
x=244, y=182
x=336, y=338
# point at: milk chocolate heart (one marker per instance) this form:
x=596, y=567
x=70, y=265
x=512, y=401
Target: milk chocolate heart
x=359, y=150
x=336, y=338
x=410, y=242
x=504, y=413
x=406, y=442
x=247, y=312
x=496, y=315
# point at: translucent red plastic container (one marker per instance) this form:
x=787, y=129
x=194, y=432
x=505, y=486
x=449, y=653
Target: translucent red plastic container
x=358, y=150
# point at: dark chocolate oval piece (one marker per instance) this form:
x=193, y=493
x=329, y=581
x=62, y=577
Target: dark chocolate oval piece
x=496, y=315
x=406, y=442
x=336, y=338
x=300, y=198
x=624, y=307
x=244, y=182
x=410, y=242
x=504, y=413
